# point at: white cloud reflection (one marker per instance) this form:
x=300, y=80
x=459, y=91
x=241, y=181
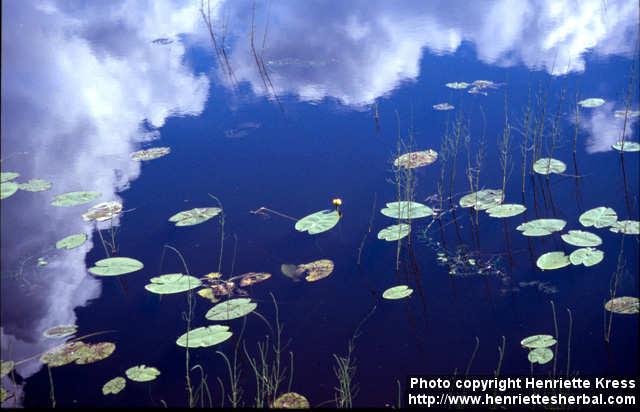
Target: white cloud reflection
x=78, y=82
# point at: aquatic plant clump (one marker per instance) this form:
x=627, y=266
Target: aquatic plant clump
x=416, y=159
x=397, y=292
x=581, y=238
x=150, y=154
x=553, y=260
x=35, y=185
x=114, y=386
x=7, y=189
x=61, y=331
x=71, y=241
x=231, y=309
x=406, y=210
x=541, y=227
x=204, y=336
x=598, y=217
x=172, y=283
x=394, y=232
x=79, y=352
x=482, y=199
x=103, y=211
x=194, y=216
x=74, y=198
x=318, y=222
x=625, y=305
x=115, y=266
x=142, y=373
x=290, y=400
x=626, y=146
x=546, y=166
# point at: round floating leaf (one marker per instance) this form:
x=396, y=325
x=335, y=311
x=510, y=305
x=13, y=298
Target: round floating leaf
x=553, y=260
x=316, y=270
x=406, y=210
x=591, y=102
x=231, y=309
x=207, y=293
x=194, y=216
x=204, y=336
x=7, y=176
x=150, y=154
x=72, y=241
x=252, y=278
x=547, y=165
x=626, y=113
x=61, y=331
x=443, y=106
x=538, y=341
x=506, y=210
x=74, y=198
x=290, y=400
x=540, y=355
x=587, y=256
x=457, y=85
x=115, y=266
x=416, y=159
x=318, y=222
x=541, y=227
x=35, y=185
x=627, y=146
x=6, y=367
x=103, y=211
x=581, y=238
x=626, y=305
x=397, y=292
x=290, y=271
x=172, y=283
x=394, y=232
x=114, y=386
x=7, y=189
x=628, y=227
x=598, y=217
x=91, y=353
x=142, y=373
x=482, y=199
x=63, y=355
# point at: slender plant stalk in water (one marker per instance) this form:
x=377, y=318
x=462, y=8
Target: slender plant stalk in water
x=473, y=356
x=555, y=325
x=569, y=342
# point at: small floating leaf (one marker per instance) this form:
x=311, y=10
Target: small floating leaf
x=538, y=341
x=103, y=211
x=443, y=106
x=416, y=159
x=626, y=305
x=397, y=292
x=204, y=336
x=540, y=355
x=74, y=198
x=553, y=260
x=406, y=210
x=114, y=386
x=318, y=222
x=457, y=85
x=7, y=176
x=42, y=262
x=591, y=102
x=598, y=217
x=394, y=232
x=194, y=216
x=150, y=154
x=115, y=266
x=231, y=309
x=541, y=227
x=4, y=394
x=482, y=199
x=35, y=185
x=628, y=227
x=72, y=241
x=6, y=367
x=587, y=256
x=172, y=283
x=581, y=238
x=252, y=278
x=61, y=331
x=547, y=165
x=62, y=355
x=7, y=189
x=290, y=400
x=626, y=113
x=316, y=270
x=506, y=210
x=626, y=146
x=142, y=373
x=95, y=352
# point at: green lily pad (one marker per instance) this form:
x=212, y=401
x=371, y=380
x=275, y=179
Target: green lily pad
x=394, y=232
x=114, y=386
x=74, y=198
x=94, y=352
x=506, y=210
x=318, y=222
x=290, y=400
x=7, y=176
x=458, y=85
x=172, y=283
x=540, y=355
x=63, y=355
x=142, y=373
x=71, y=241
x=621, y=114
x=150, y=154
x=553, y=260
x=204, y=336
x=598, y=217
x=541, y=227
x=591, y=102
x=397, y=292
x=103, y=211
x=628, y=227
x=61, y=331
x=547, y=165
x=231, y=309
x=625, y=305
x=35, y=185
x=626, y=147
x=406, y=210
x=194, y=216
x=482, y=199
x=443, y=106
x=115, y=266
x=5, y=394
x=581, y=238
x=6, y=367
x=538, y=341
x=416, y=159
x=7, y=189
x=587, y=256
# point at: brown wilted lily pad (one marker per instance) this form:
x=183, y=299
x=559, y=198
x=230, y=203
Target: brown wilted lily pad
x=60, y=331
x=626, y=305
x=252, y=278
x=291, y=400
x=103, y=211
x=416, y=159
x=95, y=352
x=62, y=355
x=316, y=270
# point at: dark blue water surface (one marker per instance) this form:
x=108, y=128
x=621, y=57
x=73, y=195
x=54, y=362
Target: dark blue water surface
x=84, y=86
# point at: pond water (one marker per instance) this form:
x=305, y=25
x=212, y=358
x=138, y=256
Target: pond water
x=289, y=106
